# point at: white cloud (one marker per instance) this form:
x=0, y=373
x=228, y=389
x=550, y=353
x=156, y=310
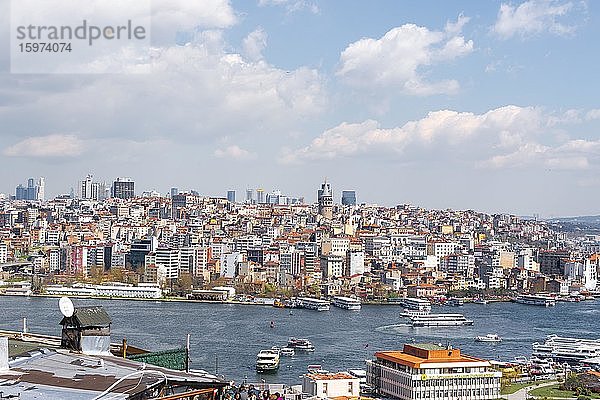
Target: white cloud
x=170, y=17
x=195, y=91
x=397, y=58
x=254, y=44
x=235, y=152
x=55, y=145
x=593, y=114
x=505, y=137
x=292, y=6
x=507, y=125
x=576, y=154
x=533, y=17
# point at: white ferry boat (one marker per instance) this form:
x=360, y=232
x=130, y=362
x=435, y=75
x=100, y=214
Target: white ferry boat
x=267, y=361
x=313, y=304
x=490, y=337
x=565, y=349
x=347, y=303
x=416, y=304
x=300, y=344
x=536, y=300
x=440, y=320
x=413, y=313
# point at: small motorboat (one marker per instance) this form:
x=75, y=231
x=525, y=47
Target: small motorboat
x=287, y=351
x=490, y=337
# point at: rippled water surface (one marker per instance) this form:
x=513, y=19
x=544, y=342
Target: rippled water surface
x=227, y=337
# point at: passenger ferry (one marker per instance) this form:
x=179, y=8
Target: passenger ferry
x=440, y=320
x=313, y=304
x=300, y=344
x=267, y=361
x=565, y=349
x=417, y=304
x=536, y=300
x=347, y=303
x=413, y=313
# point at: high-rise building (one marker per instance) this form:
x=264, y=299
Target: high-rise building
x=260, y=196
x=123, y=188
x=41, y=189
x=86, y=191
x=174, y=191
x=348, y=197
x=31, y=192
x=249, y=196
x=231, y=196
x=31, y=189
x=325, y=200
x=21, y=192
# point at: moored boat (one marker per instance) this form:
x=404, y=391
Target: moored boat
x=535, y=300
x=313, y=304
x=347, y=303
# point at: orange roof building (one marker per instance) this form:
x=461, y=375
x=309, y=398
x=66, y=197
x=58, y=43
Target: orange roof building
x=429, y=371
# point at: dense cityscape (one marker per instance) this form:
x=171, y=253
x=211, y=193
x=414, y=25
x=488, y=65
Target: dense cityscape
x=299, y=200
x=106, y=241
x=279, y=246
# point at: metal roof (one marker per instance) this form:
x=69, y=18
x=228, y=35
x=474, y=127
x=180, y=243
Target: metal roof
x=60, y=374
x=84, y=317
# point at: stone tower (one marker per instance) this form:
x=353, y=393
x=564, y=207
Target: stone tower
x=325, y=199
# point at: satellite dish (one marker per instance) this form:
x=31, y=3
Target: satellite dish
x=66, y=306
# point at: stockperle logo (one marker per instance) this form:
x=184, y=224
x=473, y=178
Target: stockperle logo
x=78, y=36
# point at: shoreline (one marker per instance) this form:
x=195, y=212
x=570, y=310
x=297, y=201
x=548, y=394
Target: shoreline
x=236, y=302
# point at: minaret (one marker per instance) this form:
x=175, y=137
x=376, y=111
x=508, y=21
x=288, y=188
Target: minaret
x=325, y=199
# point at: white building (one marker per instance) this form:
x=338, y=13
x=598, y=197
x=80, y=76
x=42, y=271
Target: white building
x=169, y=258
x=355, y=263
x=428, y=371
x=3, y=253
x=329, y=385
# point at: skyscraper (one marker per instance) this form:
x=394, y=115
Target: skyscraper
x=31, y=190
x=231, y=196
x=21, y=192
x=86, y=191
x=260, y=196
x=249, y=196
x=123, y=188
x=41, y=189
x=325, y=200
x=348, y=197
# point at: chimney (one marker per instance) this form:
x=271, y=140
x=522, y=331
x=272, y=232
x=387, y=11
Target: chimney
x=3, y=353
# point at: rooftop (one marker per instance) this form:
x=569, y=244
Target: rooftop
x=329, y=376
x=424, y=354
x=46, y=373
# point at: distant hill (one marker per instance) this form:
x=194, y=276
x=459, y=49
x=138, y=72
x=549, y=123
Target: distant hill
x=586, y=219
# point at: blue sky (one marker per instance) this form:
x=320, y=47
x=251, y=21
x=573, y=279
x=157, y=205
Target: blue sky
x=457, y=104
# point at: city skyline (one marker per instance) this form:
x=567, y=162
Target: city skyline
x=488, y=106
x=240, y=195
